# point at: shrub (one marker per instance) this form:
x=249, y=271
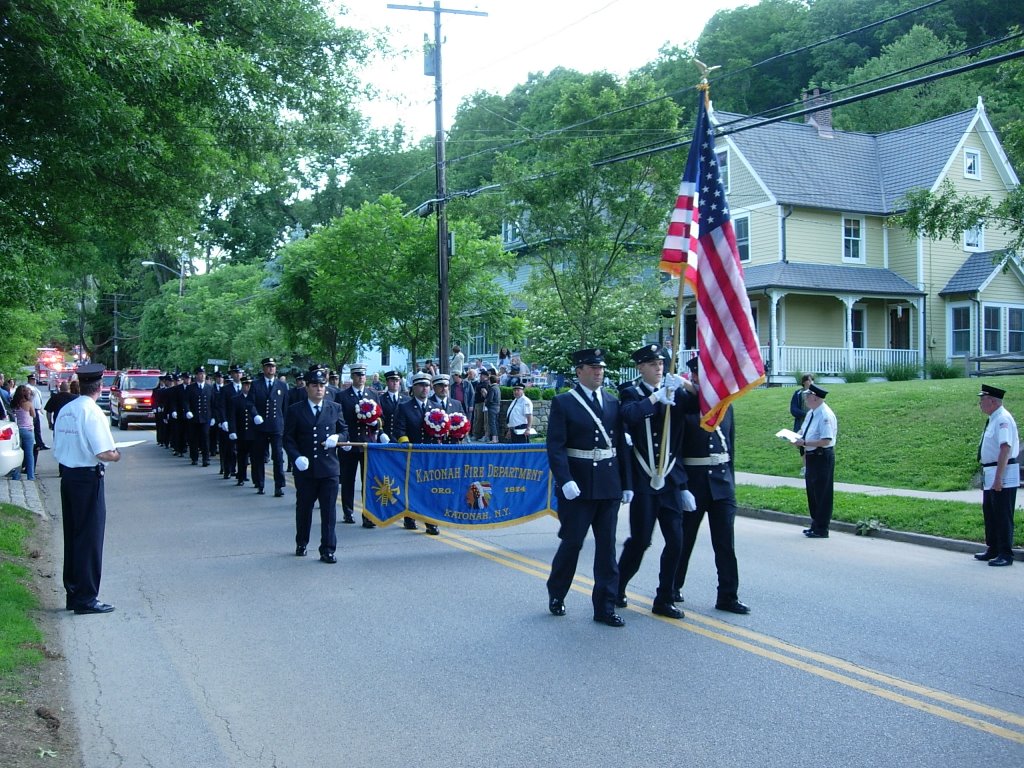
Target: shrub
x=901, y=372
x=942, y=370
x=858, y=376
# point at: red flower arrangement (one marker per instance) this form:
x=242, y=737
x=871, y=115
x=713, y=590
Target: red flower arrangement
x=369, y=412
x=458, y=426
x=436, y=421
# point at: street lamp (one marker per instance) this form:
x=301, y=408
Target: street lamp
x=180, y=273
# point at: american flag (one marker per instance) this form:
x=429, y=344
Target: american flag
x=679, y=253
x=730, y=359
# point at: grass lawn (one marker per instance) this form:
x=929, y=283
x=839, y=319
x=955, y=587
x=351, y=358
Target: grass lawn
x=921, y=435
x=20, y=639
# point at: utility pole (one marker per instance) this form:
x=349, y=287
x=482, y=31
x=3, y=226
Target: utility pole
x=115, y=331
x=432, y=66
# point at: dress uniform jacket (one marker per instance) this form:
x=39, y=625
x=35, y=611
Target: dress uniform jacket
x=410, y=421
x=304, y=436
x=199, y=400
x=571, y=426
x=270, y=404
x=389, y=408
x=450, y=405
x=645, y=423
x=357, y=430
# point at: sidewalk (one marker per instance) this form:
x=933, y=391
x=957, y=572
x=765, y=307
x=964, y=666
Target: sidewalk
x=23, y=493
x=972, y=496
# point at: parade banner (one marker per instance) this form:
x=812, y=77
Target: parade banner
x=475, y=485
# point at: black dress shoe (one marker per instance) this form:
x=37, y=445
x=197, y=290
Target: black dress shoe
x=1001, y=561
x=677, y=596
x=278, y=493
x=349, y=520
x=620, y=601
x=94, y=607
x=206, y=463
x=667, y=610
x=259, y=491
x=732, y=606
x=556, y=606
x=328, y=557
x=44, y=447
x=814, y=534
x=367, y=523
x=432, y=530
x=611, y=619
x=410, y=524
x=300, y=551
x=983, y=556
x=240, y=482
x=194, y=462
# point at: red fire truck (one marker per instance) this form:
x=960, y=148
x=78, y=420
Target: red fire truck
x=49, y=361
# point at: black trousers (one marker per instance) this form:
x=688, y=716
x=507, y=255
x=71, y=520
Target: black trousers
x=721, y=520
x=199, y=439
x=84, y=518
x=351, y=462
x=227, y=453
x=997, y=507
x=260, y=443
x=821, y=465
x=577, y=517
x=243, y=449
x=646, y=509
x=311, y=490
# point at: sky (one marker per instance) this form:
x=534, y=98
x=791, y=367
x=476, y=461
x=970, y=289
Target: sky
x=496, y=52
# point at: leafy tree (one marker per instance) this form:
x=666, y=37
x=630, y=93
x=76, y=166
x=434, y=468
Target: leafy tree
x=588, y=229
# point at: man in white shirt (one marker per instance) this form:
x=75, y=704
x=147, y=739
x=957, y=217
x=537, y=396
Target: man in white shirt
x=1000, y=445
x=818, y=439
x=519, y=417
x=37, y=406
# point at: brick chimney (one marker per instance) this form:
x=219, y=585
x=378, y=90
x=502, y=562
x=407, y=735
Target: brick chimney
x=821, y=118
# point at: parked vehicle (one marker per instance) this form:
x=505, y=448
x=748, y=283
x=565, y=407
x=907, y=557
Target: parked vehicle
x=11, y=454
x=131, y=397
x=108, y=381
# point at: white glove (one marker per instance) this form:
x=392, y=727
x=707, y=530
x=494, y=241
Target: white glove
x=672, y=381
x=302, y=463
x=689, y=503
x=224, y=426
x=346, y=448
x=188, y=414
x=627, y=497
x=257, y=419
x=666, y=396
x=232, y=436
x=570, y=490
x=212, y=422
x=383, y=438
x=331, y=442
x=174, y=414
x=628, y=438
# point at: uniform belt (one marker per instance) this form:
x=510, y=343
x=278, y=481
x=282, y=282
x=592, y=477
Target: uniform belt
x=819, y=451
x=594, y=454
x=707, y=461
x=996, y=463
x=95, y=469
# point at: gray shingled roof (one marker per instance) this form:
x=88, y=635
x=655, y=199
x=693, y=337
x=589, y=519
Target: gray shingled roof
x=853, y=172
x=830, y=278
x=973, y=272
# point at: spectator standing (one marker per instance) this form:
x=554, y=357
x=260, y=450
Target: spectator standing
x=21, y=405
x=504, y=358
x=493, y=406
x=57, y=401
x=519, y=417
x=1000, y=446
x=37, y=406
x=818, y=438
x=798, y=409
x=458, y=362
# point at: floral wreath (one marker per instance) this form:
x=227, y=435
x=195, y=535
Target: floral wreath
x=437, y=422
x=458, y=426
x=369, y=412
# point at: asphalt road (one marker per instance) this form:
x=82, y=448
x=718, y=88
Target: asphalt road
x=227, y=650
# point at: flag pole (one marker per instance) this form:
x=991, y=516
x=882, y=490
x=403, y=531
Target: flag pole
x=658, y=481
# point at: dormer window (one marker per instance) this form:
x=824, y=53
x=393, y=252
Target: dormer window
x=972, y=164
x=974, y=238
x=510, y=233
x=723, y=168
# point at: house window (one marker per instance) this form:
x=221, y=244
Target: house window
x=960, y=330
x=1015, y=330
x=510, y=232
x=972, y=164
x=478, y=346
x=974, y=238
x=993, y=330
x=741, y=226
x=385, y=357
x=723, y=168
x=858, y=328
x=853, y=239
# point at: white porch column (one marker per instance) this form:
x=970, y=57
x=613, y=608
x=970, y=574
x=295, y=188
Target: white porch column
x=774, y=351
x=848, y=302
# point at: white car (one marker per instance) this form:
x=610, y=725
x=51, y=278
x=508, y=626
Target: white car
x=11, y=454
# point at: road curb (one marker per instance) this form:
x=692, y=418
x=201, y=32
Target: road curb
x=906, y=537
x=23, y=493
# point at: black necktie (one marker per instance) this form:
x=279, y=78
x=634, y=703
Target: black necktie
x=597, y=403
x=316, y=411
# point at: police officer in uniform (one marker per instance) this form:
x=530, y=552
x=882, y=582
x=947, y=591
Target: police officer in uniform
x=179, y=432
x=818, y=439
x=1000, y=445
x=658, y=488
x=358, y=432
x=228, y=393
x=587, y=455
x=390, y=400
x=410, y=427
x=708, y=458
x=199, y=417
x=313, y=428
x=268, y=395
x=83, y=450
x=241, y=429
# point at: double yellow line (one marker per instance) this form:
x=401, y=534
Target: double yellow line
x=973, y=714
